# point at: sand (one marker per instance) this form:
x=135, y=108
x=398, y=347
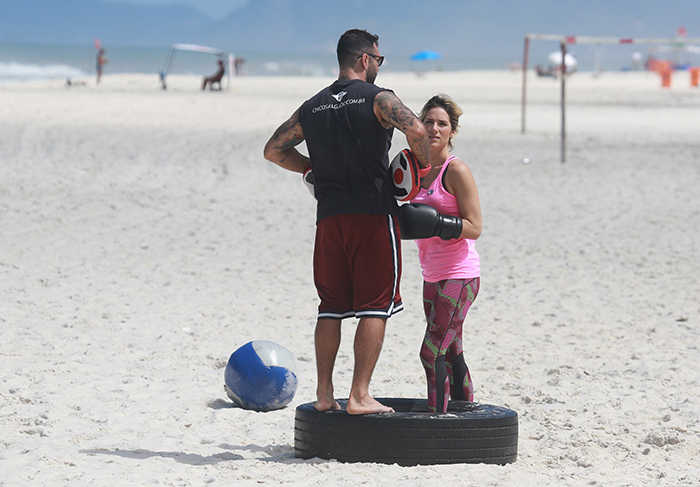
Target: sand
x=144, y=239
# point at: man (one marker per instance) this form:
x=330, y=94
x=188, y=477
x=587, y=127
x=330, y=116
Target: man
x=348, y=128
x=214, y=78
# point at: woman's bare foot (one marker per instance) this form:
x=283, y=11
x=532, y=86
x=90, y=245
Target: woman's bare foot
x=368, y=405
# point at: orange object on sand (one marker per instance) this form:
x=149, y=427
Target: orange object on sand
x=661, y=66
x=694, y=74
x=665, y=71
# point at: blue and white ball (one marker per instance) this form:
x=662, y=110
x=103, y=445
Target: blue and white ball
x=261, y=375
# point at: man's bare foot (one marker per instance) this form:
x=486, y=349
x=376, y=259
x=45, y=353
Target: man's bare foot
x=326, y=404
x=368, y=405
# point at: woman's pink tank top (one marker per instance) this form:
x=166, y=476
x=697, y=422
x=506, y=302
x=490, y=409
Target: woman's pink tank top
x=445, y=259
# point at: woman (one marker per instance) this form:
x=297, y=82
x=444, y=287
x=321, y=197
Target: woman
x=450, y=267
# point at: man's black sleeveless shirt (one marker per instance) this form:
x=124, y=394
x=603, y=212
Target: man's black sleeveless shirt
x=349, y=150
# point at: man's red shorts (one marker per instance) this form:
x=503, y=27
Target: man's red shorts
x=357, y=266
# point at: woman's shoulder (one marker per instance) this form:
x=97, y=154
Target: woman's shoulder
x=458, y=168
x=458, y=175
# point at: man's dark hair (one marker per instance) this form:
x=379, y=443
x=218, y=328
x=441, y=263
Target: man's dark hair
x=352, y=44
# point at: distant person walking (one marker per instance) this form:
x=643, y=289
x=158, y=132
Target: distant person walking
x=636, y=60
x=101, y=61
x=238, y=65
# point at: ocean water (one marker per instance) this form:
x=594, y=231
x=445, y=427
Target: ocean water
x=22, y=62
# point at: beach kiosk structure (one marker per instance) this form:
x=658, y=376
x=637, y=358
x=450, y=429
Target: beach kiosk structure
x=225, y=56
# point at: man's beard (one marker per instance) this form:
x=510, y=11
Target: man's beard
x=371, y=75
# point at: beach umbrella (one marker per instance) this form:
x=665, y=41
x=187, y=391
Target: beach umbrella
x=425, y=56
x=569, y=60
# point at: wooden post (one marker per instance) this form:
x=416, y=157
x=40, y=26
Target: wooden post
x=563, y=101
x=525, y=56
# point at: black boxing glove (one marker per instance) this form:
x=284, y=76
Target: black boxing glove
x=418, y=220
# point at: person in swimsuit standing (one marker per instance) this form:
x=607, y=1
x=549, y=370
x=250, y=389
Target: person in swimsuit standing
x=450, y=265
x=101, y=61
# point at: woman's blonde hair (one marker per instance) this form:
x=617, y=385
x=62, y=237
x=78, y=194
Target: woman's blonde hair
x=443, y=101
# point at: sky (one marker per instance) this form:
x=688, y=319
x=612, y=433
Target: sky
x=217, y=9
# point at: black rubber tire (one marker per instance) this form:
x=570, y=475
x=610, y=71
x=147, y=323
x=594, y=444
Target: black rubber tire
x=467, y=433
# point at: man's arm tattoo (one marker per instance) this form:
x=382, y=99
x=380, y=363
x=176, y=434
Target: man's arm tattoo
x=395, y=112
x=288, y=134
x=421, y=148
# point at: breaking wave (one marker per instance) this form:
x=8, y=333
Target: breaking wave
x=13, y=71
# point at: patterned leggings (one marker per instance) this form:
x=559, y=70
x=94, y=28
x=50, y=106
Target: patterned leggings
x=446, y=304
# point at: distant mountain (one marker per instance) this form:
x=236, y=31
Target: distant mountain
x=476, y=27
x=80, y=21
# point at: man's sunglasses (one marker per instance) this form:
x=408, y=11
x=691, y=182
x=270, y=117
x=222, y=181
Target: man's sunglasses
x=379, y=59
